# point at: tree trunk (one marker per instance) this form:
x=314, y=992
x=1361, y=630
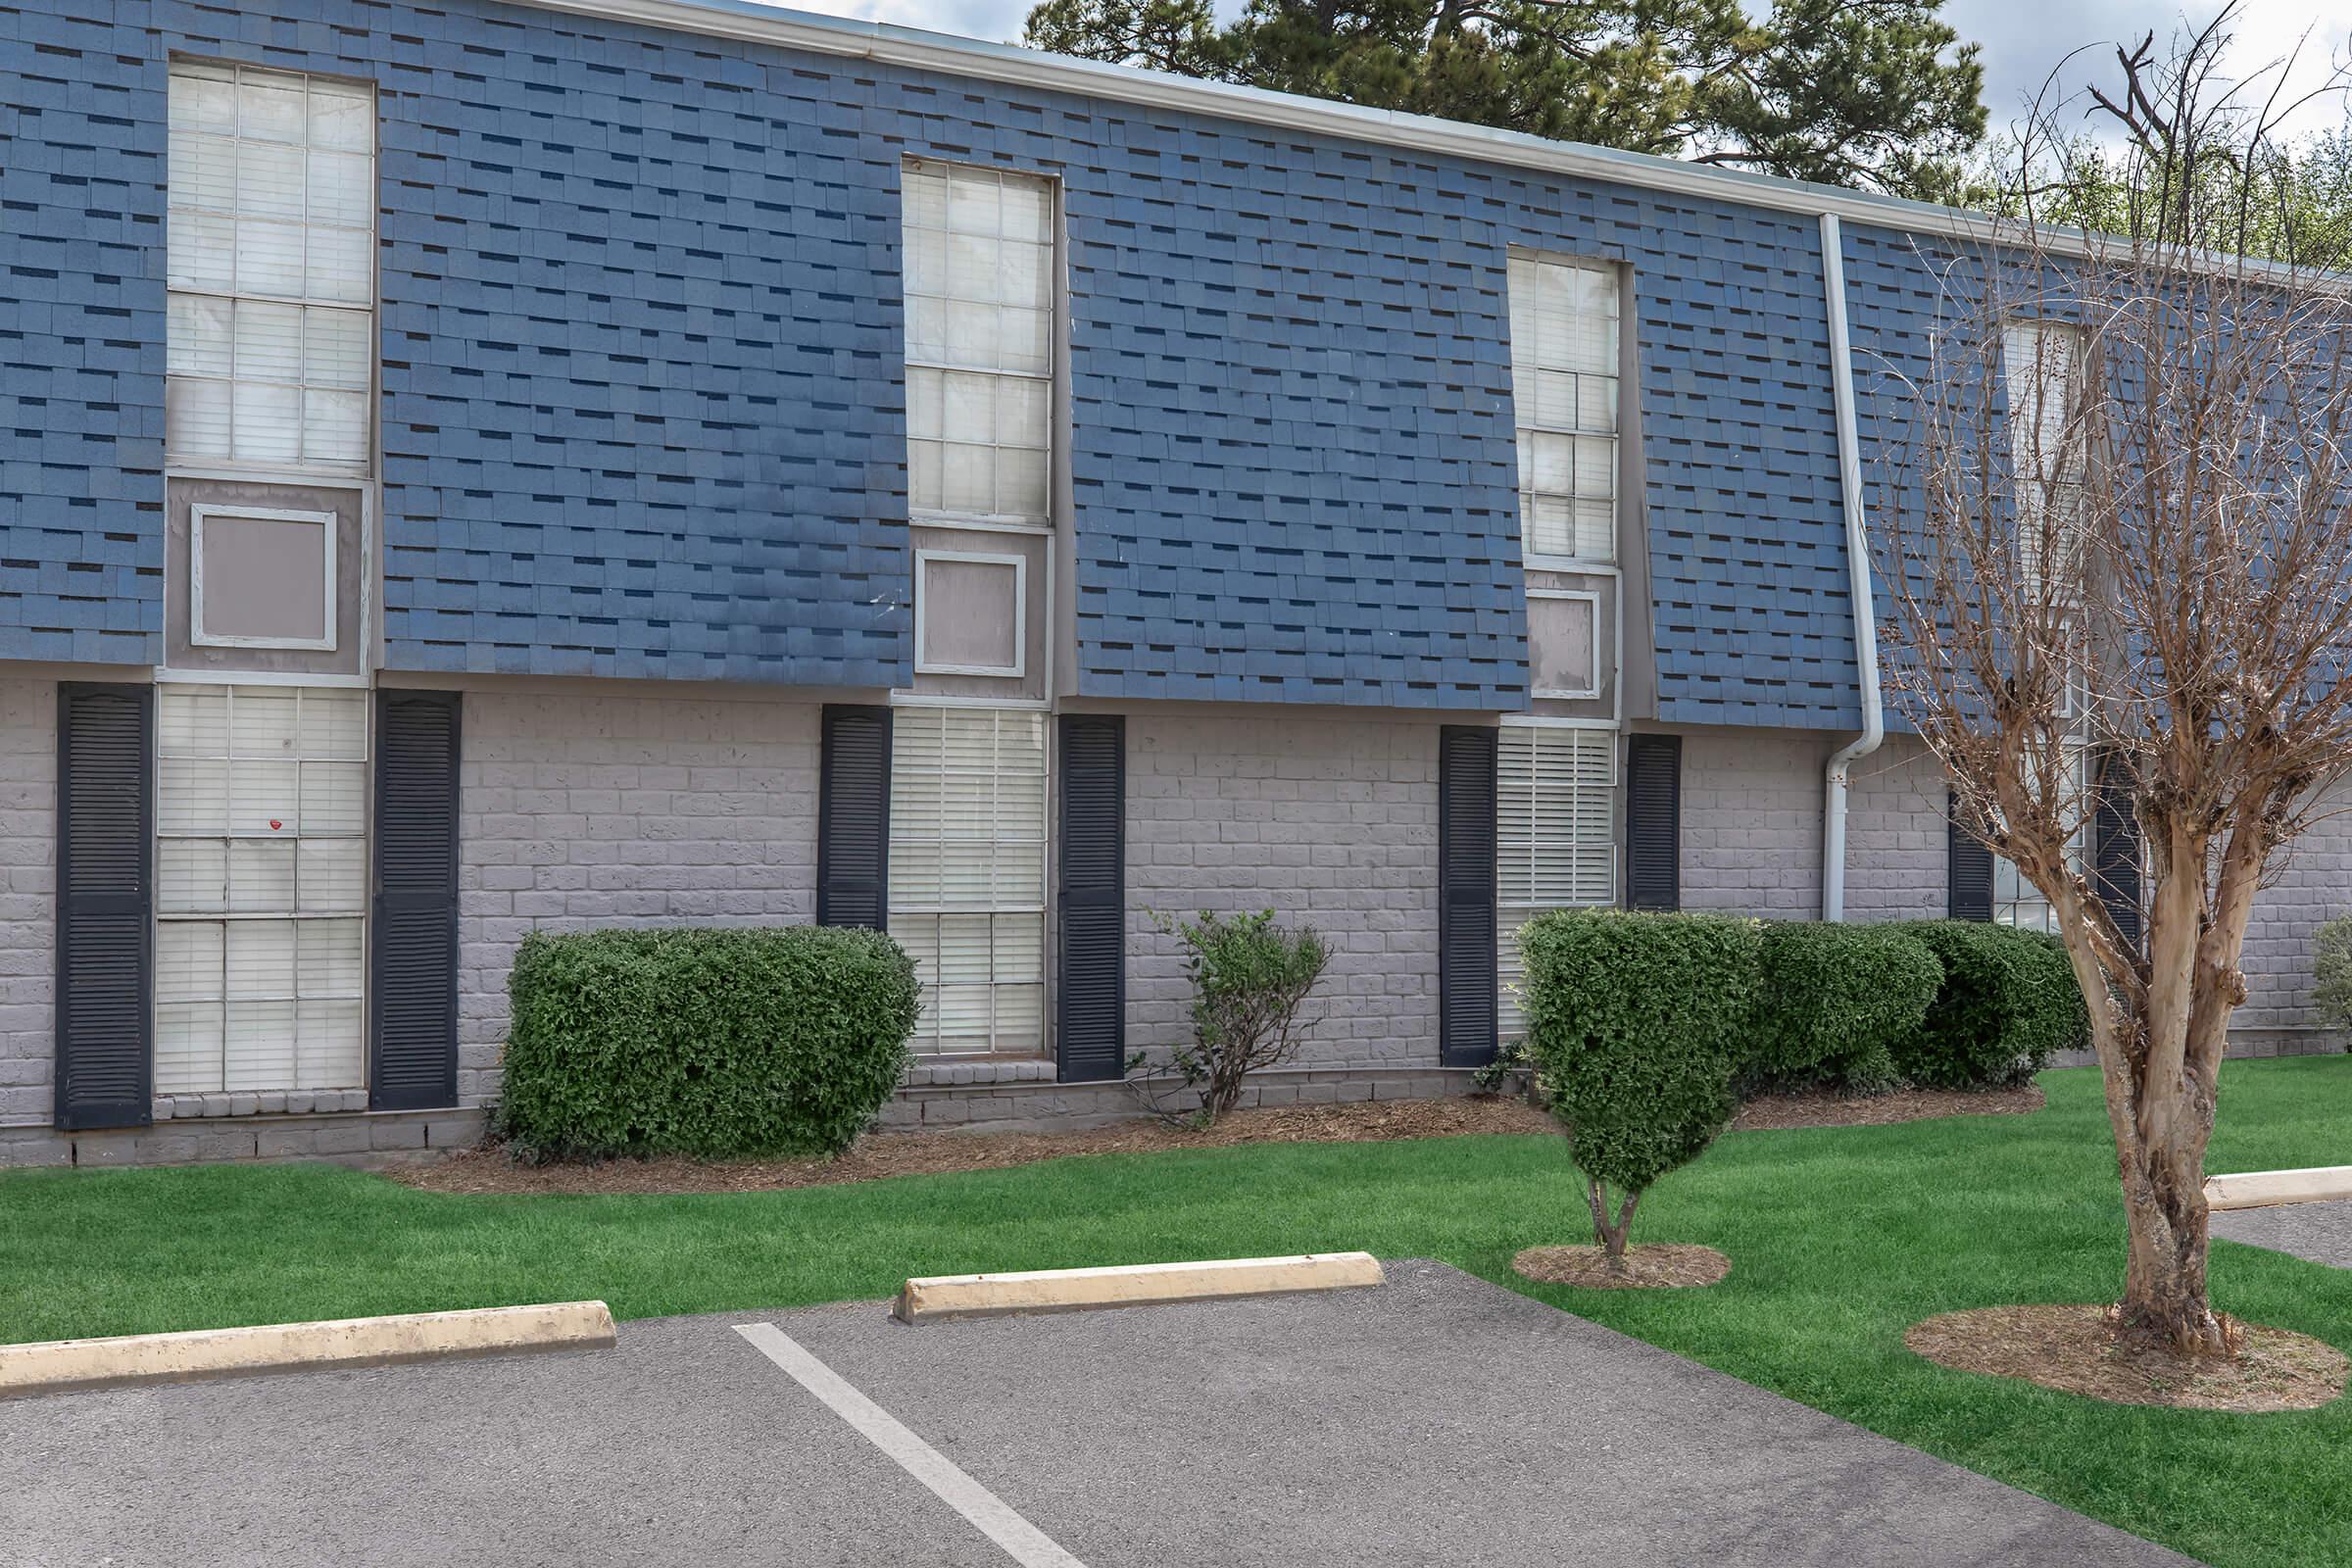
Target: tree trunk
x=2163, y=1094
x=2164, y=1306
x=1612, y=1237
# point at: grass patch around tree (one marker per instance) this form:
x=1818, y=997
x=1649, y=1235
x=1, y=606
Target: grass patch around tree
x=1840, y=1239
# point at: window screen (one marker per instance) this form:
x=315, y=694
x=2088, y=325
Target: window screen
x=1564, y=385
x=271, y=267
x=261, y=811
x=979, y=341
x=967, y=872
x=1555, y=833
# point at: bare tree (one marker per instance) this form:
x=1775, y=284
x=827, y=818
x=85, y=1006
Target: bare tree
x=2117, y=546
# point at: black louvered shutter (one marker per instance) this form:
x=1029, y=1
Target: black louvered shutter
x=1653, y=822
x=1466, y=978
x=2116, y=851
x=105, y=906
x=413, y=940
x=1968, y=870
x=853, y=819
x=1092, y=1016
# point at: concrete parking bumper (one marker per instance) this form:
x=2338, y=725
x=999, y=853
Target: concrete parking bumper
x=57, y=1365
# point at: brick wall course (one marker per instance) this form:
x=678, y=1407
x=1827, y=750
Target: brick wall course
x=1330, y=821
x=580, y=810
x=28, y=901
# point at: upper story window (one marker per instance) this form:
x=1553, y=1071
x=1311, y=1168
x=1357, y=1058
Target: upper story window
x=271, y=267
x=2041, y=375
x=979, y=343
x=1565, y=324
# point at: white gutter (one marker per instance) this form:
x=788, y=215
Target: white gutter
x=916, y=48
x=1857, y=561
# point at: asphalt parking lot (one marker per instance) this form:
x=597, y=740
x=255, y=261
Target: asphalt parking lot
x=2321, y=1232
x=1435, y=1420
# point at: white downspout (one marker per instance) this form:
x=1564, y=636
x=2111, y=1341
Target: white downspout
x=1857, y=559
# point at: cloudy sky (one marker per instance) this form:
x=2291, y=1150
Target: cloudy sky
x=2023, y=39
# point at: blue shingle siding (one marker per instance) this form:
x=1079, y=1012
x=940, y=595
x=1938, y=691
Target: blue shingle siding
x=81, y=341
x=643, y=407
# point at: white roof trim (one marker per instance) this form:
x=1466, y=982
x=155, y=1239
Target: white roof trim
x=883, y=42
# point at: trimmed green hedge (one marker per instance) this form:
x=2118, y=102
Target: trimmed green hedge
x=1635, y=1023
x=2009, y=1001
x=1833, y=1001
x=713, y=1043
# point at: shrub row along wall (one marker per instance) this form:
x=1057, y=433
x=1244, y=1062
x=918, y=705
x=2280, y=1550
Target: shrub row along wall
x=1941, y=1003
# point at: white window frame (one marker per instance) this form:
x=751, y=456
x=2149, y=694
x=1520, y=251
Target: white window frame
x=198, y=636
x=1506, y=929
x=2067, y=483
x=322, y=468
x=1560, y=693
x=362, y=916
x=1050, y=377
x=926, y=1044
x=1541, y=561
x=1019, y=667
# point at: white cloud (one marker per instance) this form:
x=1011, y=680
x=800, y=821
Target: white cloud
x=2025, y=40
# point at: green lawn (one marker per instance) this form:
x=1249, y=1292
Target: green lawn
x=1839, y=1237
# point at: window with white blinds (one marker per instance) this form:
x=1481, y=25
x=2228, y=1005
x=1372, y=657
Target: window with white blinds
x=979, y=342
x=2042, y=380
x=261, y=813
x=1564, y=385
x=1555, y=833
x=967, y=872
x=272, y=268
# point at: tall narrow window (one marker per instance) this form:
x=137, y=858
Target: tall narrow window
x=967, y=872
x=1555, y=833
x=261, y=812
x=2042, y=380
x=1564, y=385
x=979, y=343
x=272, y=268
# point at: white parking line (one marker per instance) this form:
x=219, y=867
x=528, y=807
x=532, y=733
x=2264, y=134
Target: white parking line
x=988, y=1513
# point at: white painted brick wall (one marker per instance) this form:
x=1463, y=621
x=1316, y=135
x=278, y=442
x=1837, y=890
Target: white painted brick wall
x=587, y=810
x=1752, y=822
x=1330, y=821
x=2313, y=885
x=1895, y=835
x=27, y=911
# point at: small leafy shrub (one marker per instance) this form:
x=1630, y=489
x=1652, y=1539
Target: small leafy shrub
x=712, y=1044
x=2009, y=1001
x=2331, y=974
x=1249, y=979
x=1637, y=1023
x=1833, y=1001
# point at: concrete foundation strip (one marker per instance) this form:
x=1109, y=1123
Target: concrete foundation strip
x=2260, y=1188
x=1072, y=1290
x=58, y=1365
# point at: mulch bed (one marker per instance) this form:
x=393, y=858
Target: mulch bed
x=1772, y=1111
x=1651, y=1265
x=878, y=1154
x=2072, y=1349
x=491, y=1169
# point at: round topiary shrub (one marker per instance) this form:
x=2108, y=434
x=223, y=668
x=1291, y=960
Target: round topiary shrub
x=1834, y=1002
x=2008, y=1002
x=713, y=1043
x=1636, y=1024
